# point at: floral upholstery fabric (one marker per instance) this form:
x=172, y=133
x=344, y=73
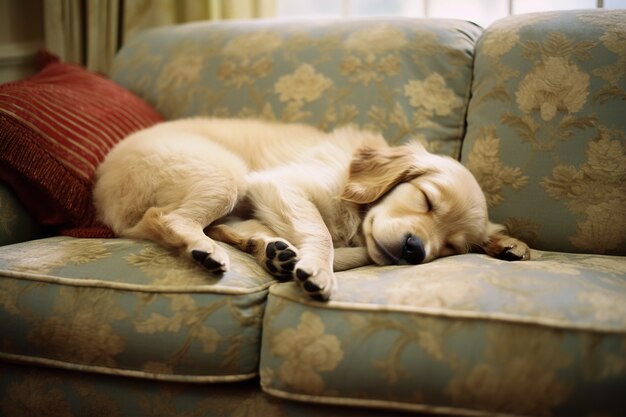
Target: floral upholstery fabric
x=25, y=391
x=460, y=335
x=130, y=308
x=404, y=77
x=464, y=335
x=546, y=128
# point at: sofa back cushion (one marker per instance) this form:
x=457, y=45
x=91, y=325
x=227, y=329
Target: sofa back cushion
x=546, y=128
x=404, y=77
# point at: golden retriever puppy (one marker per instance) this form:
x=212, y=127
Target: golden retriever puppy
x=305, y=203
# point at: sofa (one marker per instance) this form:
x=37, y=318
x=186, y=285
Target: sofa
x=534, y=106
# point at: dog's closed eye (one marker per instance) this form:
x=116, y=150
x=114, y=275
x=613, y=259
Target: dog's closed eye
x=428, y=201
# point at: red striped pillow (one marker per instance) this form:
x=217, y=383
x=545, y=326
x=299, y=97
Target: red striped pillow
x=55, y=128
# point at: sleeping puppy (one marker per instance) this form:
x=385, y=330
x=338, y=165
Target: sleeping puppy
x=303, y=202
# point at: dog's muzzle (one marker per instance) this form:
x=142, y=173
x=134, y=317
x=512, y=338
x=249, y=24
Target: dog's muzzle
x=413, y=250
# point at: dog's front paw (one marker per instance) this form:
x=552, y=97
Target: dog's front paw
x=281, y=258
x=511, y=249
x=319, y=284
x=215, y=260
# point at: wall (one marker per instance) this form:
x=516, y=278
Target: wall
x=21, y=35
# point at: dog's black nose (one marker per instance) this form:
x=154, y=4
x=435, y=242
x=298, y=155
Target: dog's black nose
x=413, y=251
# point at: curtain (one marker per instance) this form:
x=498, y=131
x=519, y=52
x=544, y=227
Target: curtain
x=63, y=29
x=89, y=32
x=143, y=14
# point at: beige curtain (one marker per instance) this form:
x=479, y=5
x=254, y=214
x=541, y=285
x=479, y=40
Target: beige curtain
x=144, y=14
x=63, y=29
x=84, y=32
x=89, y=32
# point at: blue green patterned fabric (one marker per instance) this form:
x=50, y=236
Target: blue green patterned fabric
x=27, y=391
x=461, y=335
x=130, y=308
x=546, y=131
x=16, y=225
x=403, y=77
x=464, y=335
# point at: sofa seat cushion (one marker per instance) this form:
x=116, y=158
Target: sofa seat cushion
x=32, y=391
x=403, y=77
x=466, y=334
x=129, y=307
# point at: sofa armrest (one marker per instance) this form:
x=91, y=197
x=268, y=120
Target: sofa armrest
x=546, y=133
x=16, y=225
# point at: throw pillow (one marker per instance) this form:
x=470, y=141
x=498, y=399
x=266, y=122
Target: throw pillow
x=55, y=128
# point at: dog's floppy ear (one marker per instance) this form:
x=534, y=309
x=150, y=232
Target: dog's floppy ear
x=375, y=170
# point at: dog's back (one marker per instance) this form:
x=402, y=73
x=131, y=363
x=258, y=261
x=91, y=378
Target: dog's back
x=163, y=165
x=260, y=144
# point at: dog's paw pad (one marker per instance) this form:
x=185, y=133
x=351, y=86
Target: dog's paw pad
x=318, y=285
x=281, y=259
x=319, y=296
x=205, y=259
x=302, y=275
x=272, y=248
x=311, y=287
x=287, y=255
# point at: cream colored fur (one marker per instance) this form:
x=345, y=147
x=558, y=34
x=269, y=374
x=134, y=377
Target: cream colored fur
x=333, y=200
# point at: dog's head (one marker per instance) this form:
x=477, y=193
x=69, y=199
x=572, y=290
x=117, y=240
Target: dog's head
x=421, y=206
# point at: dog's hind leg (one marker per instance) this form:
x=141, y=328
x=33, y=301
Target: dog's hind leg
x=181, y=227
x=276, y=255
